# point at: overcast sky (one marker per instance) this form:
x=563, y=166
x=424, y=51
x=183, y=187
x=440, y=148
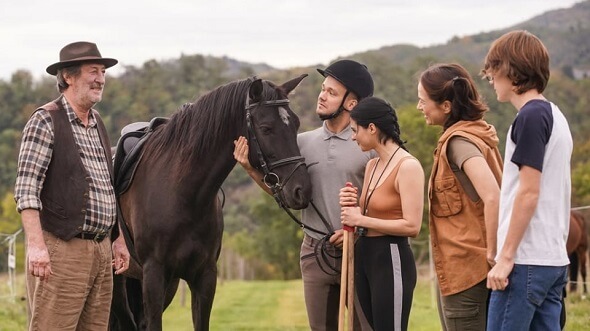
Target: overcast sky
x=281, y=33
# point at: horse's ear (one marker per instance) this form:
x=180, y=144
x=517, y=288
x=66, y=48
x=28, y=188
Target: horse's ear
x=292, y=84
x=255, y=91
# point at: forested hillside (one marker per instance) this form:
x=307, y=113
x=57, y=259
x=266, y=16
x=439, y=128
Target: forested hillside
x=255, y=227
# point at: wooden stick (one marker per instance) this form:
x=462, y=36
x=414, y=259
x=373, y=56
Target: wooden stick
x=343, y=282
x=347, y=277
x=350, y=284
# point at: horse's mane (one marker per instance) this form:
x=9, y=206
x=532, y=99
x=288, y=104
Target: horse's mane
x=202, y=127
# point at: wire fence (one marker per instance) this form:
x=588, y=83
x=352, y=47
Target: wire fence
x=8, y=283
x=8, y=291
x=432, y=275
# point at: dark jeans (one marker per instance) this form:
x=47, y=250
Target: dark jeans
x=531, y=301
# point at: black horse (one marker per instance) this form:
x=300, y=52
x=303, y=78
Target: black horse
x=172, y=207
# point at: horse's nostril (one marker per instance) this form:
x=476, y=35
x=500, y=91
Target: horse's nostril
x=301, y=199
x=298, y=194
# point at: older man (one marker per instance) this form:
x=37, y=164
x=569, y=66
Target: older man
x=67, y=203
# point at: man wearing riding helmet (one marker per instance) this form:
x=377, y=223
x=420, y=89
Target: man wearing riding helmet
x=333, y=159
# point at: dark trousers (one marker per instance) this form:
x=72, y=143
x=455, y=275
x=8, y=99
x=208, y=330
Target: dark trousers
x=466, y=310
x=385, y=280
x=322, y=290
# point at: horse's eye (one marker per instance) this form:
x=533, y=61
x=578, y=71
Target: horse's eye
x=265, y=129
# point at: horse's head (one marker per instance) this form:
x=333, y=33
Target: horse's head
x=272, y=136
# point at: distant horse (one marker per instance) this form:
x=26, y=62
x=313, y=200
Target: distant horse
x=577, y=248
x=172, y=207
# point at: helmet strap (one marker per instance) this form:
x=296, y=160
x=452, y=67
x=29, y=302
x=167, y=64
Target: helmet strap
x=337, y=112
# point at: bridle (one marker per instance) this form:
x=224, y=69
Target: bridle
x=270, y=178
x=276, y=185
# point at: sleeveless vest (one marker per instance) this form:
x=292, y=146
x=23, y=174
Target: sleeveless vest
x=457, y=224
x=66, y=188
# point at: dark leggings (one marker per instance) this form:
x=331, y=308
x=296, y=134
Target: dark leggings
x=385, y=278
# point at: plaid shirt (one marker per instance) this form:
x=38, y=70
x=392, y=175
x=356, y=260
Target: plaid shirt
x=35, y=155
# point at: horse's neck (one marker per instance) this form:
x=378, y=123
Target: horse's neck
x=208, y=165
x=212, y=169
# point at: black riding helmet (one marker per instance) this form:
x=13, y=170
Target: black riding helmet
x=354, y=76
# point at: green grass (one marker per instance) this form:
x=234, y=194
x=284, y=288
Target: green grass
x=273, y=305
x=13, y=310
x=278, y=305
x=252, y=305
x=424, y=314
x=578, y=312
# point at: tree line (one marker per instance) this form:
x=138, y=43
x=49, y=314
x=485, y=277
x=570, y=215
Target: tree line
x=258, y=235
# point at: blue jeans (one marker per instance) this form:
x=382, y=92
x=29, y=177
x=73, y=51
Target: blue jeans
x=531, y=301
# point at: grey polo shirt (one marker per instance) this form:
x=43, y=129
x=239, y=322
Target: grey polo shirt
x=336, y=159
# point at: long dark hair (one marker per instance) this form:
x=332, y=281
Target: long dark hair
x=382, y=115
x=451, y=82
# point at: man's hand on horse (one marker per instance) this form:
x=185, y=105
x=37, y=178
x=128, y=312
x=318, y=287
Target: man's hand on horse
x=241, y=152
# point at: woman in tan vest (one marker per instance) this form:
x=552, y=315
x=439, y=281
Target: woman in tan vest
x=464, y=190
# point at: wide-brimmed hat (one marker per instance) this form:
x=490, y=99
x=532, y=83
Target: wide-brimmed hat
x=78, y=52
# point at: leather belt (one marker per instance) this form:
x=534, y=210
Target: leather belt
x=98, y=237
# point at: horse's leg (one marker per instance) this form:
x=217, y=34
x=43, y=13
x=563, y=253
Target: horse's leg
x=583, y=271
x=154, y=288
x=171, y=292
x=202, y=293
x=121, y=315
x=573, y=272
x=135, y=299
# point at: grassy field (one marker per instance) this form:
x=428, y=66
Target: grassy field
x=274, y=305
